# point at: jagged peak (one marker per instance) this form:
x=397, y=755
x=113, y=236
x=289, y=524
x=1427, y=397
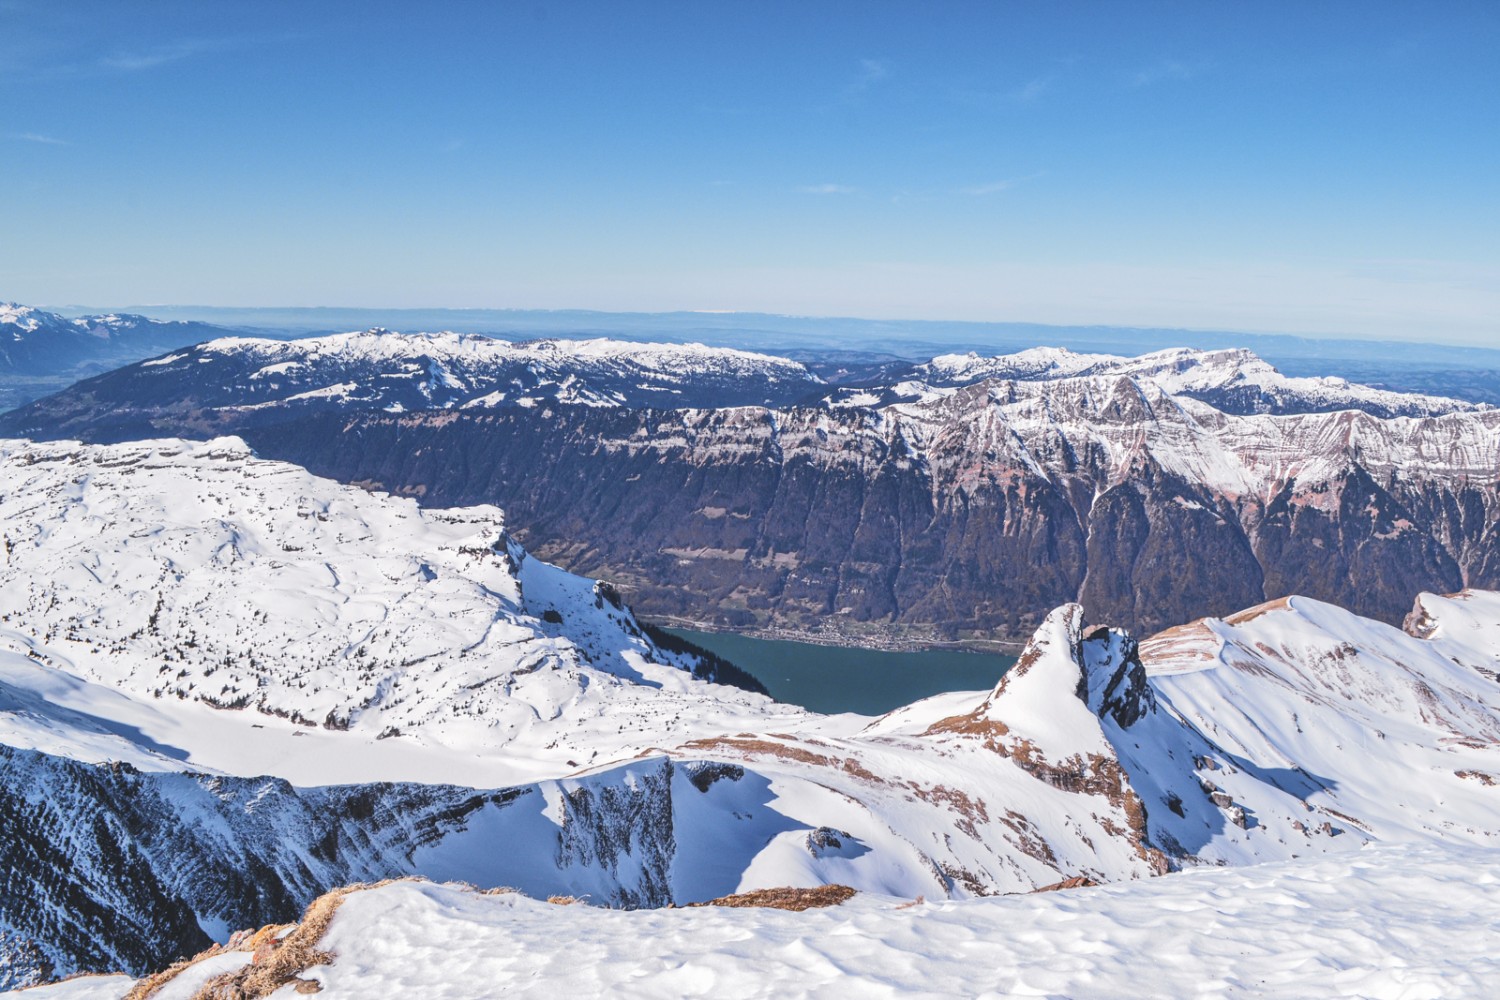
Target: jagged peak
x=1049, y=662
x=1117, y=687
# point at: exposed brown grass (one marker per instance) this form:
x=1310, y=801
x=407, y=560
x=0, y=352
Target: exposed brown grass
x=152, y=984
x=755, y=746
x=1076, y=882
x=563, y=900
x=280, y=953
x=279, y=961
x=1250, y=614
x=786, y=898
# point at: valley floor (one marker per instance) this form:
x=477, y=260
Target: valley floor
x=1384, y=922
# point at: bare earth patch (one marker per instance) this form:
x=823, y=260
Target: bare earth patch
x=786, y=898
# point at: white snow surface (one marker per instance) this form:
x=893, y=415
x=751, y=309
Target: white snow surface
x=143, y=587
x=1123, y=423
x=161, y=580
x=1398, y=922
x=467, y=370
x=23, y=317
x=1178, y=371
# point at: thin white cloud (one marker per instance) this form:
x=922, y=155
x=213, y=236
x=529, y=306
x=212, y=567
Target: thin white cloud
x=1030, y=91
x=1165, y=71
x=130, y=62
x=46, y=140
x=826, y=189
x=995, y=187
x=871, y=72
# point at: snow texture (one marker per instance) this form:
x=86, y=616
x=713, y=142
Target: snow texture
x=187, y=607
x=1390, y=922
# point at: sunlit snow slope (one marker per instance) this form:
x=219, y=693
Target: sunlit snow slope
x=227, y=685
x=1390, y=922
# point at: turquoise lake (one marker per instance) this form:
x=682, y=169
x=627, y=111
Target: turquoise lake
x=834, y=679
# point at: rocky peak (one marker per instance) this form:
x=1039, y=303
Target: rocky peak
x=1115, y=677
x=1049, y=663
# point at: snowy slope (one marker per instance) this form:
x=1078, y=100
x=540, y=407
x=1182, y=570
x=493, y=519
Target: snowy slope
x=1232, y=380
x=197, y=573
x=187, y=608
x=1320, y=727
x=378, y=369
x=1390, y=922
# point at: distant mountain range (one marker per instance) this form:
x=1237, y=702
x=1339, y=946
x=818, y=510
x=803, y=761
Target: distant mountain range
x=42, y=352
x=1470, y=373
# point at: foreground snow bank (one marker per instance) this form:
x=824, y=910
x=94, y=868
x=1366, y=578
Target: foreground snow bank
x=1386, y=921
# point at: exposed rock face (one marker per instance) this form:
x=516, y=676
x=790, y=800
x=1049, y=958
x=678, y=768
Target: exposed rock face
x=997, y=490
x=976, y=514
x=107, y=867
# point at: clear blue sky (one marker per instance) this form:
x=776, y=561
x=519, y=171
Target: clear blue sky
x=1321, y=167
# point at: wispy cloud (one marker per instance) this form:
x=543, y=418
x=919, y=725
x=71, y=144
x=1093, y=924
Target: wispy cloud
x=1163, y=72
x=826, y=189
x=995, y=187
x=1031, y=89
x=871, y=72
x=130, y=62
x=46, y=140
x=1026, y=93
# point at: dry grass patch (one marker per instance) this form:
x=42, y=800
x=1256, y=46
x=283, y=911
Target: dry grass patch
x=280, y=960
x=280, y=953
x=152, y=984
x=786, y=898
x=1076, y=882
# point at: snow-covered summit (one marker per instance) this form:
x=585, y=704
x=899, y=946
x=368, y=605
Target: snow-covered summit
x=17, y=315
x=394, y=371
x=1233, y=380
x=47, y=348
x=195, y=572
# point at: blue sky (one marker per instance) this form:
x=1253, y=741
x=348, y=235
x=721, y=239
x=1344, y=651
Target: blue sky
x=1318, y=167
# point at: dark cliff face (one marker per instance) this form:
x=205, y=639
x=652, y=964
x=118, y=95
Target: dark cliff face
x=860, y=522
x=105, y=867
x=784, y=518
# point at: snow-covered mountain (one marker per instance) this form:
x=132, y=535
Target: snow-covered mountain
x=1391, y=921
x=971, y=514
x=227, y=685
x=35, y=342
x=42, y=352
x=1233, y=381
x=198, y=573
x=973, y=507
x=378, y=369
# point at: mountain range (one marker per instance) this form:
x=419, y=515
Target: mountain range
x=227, y=686
x=962, y=498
